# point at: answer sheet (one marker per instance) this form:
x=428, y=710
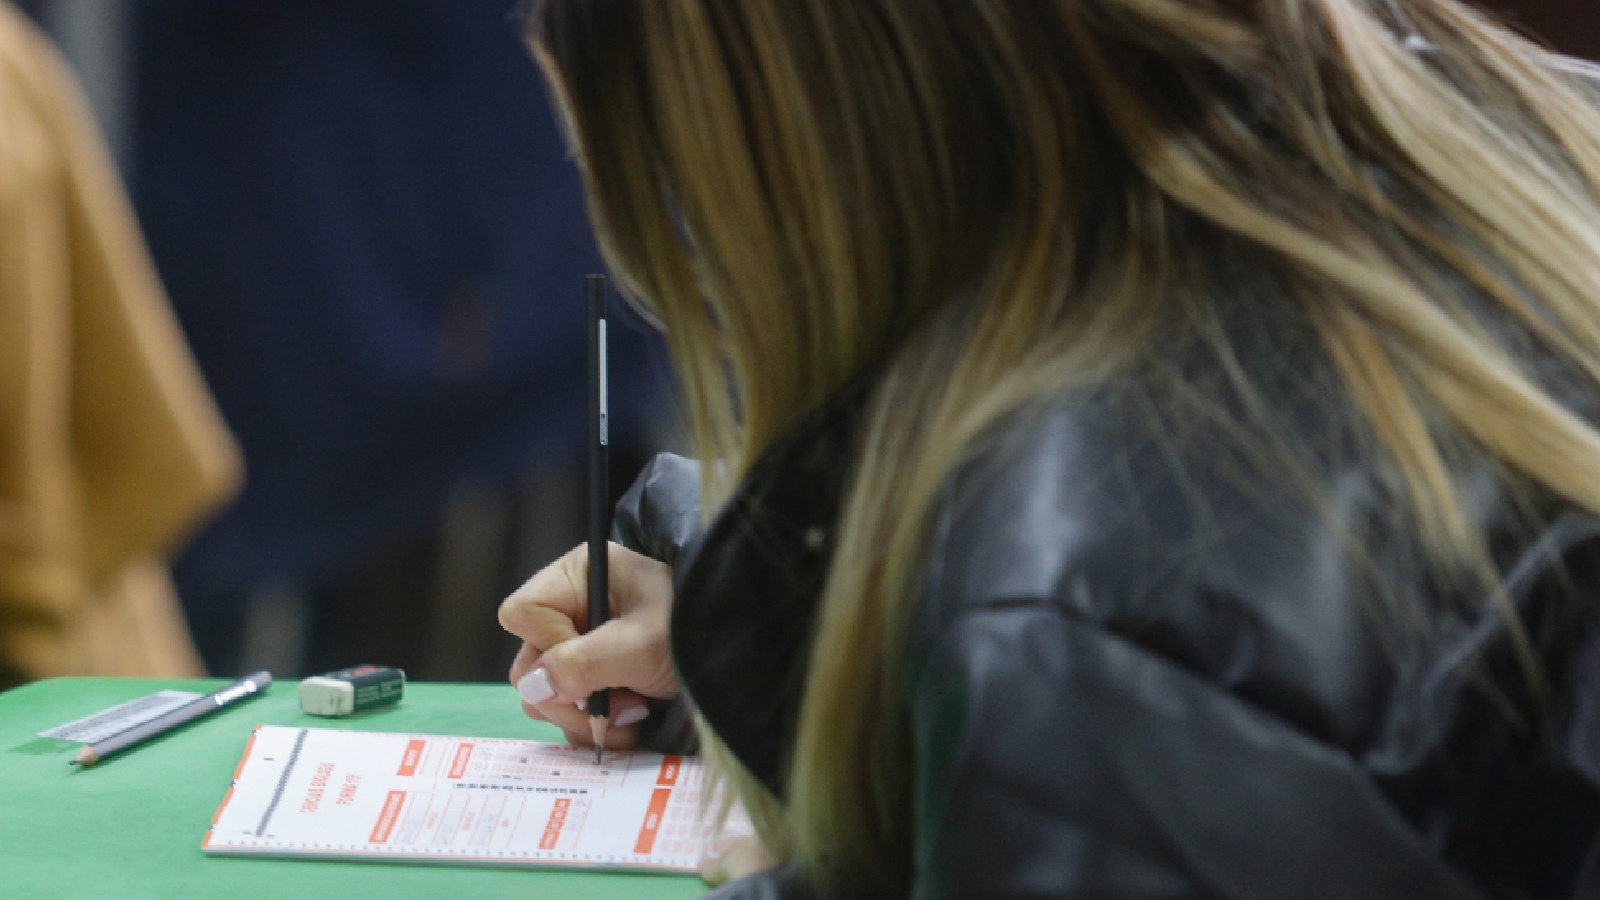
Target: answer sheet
x=313, y=792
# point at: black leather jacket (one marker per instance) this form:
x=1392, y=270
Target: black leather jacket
x=1134, y=674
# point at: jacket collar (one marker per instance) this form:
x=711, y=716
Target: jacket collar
x=748, y=590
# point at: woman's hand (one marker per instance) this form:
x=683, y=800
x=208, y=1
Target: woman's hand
x=559, y=665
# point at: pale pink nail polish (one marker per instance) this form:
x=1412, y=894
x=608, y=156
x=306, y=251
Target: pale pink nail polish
x=633, y=715
x=534, y=688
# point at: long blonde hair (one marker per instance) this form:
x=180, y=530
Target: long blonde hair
x=992, y=200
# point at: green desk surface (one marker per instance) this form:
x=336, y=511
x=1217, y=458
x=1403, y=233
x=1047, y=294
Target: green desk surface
x=131, y=826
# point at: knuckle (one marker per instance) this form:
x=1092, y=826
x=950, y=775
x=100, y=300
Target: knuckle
x=543, y=628
x=575, y=566
x=521, y=612
x=509, y=612
x=568, y=665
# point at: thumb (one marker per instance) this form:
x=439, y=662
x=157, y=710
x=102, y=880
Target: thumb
x=620, y=653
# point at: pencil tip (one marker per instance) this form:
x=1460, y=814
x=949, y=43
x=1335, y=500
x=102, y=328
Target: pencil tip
x=597, y=731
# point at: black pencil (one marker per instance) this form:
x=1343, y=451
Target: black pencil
x=210, y=703
x=599, y=495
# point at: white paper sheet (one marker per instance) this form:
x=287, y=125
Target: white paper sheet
x=311, y=792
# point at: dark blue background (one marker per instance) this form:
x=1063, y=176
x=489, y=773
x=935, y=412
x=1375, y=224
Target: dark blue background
x=365, y=217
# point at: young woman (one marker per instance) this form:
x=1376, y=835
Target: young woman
x=1152, y=443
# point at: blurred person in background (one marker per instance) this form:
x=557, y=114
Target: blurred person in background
x=111, y=449
x=366, y=220
x=1151, y=448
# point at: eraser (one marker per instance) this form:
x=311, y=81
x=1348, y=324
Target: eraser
x=351, y=690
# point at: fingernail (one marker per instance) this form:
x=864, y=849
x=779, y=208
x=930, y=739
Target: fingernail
x=581, y=704
x=535, y=687
x=633, y=715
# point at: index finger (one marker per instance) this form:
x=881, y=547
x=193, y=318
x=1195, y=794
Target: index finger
x=553, y=605
x=560, y=587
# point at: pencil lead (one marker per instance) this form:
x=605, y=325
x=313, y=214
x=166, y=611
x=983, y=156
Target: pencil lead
x=597, y=732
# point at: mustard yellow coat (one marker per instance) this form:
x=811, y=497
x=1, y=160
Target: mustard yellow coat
x=110, y=447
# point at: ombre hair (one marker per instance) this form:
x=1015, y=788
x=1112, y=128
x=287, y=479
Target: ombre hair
x=990, y=201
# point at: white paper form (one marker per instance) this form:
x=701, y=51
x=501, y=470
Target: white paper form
x=311, y=792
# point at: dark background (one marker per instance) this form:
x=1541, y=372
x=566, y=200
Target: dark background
x=1571, y=26
x=375, y=242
